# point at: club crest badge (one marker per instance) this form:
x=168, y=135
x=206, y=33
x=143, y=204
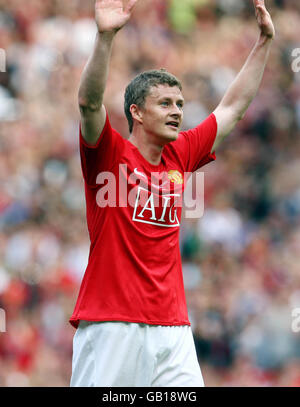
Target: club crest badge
x=175, y=177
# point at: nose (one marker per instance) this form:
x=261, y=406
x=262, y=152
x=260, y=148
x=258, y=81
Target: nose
x=176, y=111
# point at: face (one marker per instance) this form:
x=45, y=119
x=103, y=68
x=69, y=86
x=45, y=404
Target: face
x=162, y=114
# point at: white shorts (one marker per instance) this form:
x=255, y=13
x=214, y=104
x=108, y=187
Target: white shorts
x=126, y=354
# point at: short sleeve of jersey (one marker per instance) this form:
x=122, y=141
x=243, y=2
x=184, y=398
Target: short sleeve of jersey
x=101, y=156
x=194, y=146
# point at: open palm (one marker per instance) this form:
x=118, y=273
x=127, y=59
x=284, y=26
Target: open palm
x=111, y=15
x=264, y=19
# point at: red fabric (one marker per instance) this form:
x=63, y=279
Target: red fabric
x=134, y=270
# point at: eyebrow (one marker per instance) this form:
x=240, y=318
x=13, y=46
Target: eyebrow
x=170, y=100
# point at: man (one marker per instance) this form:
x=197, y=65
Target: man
x=131, y=315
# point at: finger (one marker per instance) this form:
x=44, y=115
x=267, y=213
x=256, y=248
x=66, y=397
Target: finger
x=259, y=3
x=262, y=10
x=129, y=6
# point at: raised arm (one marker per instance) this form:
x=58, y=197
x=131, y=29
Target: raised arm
x=110, y=16
x=242, y=91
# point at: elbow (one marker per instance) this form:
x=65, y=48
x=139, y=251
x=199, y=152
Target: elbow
x=88, y=105
x=240, y=115
x=242, y=110
x=82, y=101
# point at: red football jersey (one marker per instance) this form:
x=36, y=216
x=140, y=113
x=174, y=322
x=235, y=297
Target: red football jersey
x=134, y=271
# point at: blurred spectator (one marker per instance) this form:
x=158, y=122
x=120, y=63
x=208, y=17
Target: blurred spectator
x=240, y=261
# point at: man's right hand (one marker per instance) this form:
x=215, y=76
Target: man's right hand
x=112, y=15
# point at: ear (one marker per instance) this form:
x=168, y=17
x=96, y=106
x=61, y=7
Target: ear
x=136, y=113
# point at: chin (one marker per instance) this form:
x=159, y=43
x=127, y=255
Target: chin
x=172, y=134
x=168, y=137
x=173, y=137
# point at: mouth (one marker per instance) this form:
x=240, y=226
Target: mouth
x=173, y=125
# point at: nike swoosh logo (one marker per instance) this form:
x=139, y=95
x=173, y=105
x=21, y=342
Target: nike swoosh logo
x=141, y=174
x=161, y=186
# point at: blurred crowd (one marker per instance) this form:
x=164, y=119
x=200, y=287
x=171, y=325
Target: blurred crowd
x=241, y=260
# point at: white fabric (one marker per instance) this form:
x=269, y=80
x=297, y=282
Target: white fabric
x=123, y=354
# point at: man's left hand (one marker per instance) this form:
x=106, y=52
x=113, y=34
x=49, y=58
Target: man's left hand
x=264, y=19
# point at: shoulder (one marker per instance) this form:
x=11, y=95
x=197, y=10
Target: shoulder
x=108, y=137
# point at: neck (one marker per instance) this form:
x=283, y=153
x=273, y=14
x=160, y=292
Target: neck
x=147, y=146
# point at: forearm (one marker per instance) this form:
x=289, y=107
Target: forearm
x=244, y=88
x=94, y=76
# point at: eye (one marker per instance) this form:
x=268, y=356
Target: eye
x=165, y=103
